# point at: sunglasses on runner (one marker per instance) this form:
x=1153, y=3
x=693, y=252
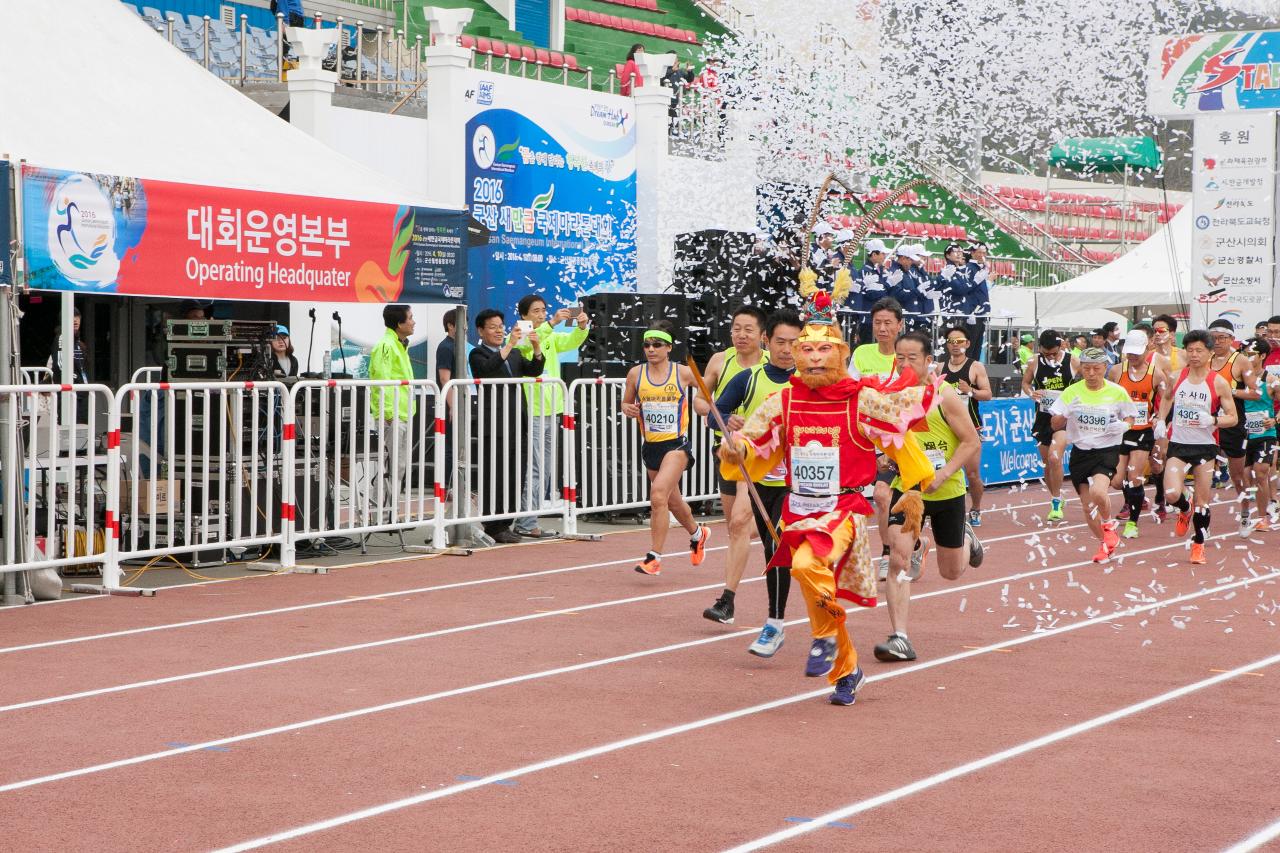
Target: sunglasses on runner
x=654, y=344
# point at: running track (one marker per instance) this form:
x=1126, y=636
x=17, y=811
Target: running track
x=547, y=697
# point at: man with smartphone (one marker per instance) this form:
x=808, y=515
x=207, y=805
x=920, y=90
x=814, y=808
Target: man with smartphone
x=545, y=403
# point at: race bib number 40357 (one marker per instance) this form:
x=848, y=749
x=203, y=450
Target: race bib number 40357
x=815, y=470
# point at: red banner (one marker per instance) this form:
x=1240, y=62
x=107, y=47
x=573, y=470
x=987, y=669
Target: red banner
x=105, y=233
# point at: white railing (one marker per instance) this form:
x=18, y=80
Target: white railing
x=204, y=469
x=52, y=486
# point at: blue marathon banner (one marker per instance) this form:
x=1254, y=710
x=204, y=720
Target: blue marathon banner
x=1009, y=450
x=551, y=177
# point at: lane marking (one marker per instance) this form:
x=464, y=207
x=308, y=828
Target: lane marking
x=1268, y=833
x=592, y=751
x=537, y=614
x=1001, y=756
x=379, y=596
x=682, y=728
x=835, y=823
x=1001, y=651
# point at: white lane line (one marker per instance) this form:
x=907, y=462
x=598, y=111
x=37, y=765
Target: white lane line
x=1255, y=841
x=600, y=750
x=1000, y=757
x=415, y=591
x=649, y=737
x=190, y=676
x=333, y=603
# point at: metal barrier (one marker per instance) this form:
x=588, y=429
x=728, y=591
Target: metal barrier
x=605, y=471
x=200, y=468
x=361, y=454
x=53, y=480
x=504, y=461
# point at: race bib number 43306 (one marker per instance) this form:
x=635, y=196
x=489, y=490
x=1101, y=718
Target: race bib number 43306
x=815, y=470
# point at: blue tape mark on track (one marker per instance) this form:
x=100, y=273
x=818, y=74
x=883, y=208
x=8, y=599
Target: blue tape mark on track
x=467, y=777
x=835, y=823
x=177, y=744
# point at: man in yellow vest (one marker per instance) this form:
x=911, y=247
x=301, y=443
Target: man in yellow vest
x=394, y=406
x=747, y=352
x=949, y=441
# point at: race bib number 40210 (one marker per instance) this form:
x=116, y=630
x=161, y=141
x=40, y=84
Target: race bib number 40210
x=661, y=418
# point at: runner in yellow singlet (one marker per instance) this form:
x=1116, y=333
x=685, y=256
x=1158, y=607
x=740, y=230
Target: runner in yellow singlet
x=657, y=395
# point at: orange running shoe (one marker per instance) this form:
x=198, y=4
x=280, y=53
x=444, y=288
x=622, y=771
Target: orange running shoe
x=1184, y=521
x=1197, y=553
x=1263, y=525
x=650, y=565
x=1110, y=539
x=1103, y=555
x=698, y=545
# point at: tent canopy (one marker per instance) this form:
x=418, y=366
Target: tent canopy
x=1105, y=154
x=91, y=88
x=1155, y=275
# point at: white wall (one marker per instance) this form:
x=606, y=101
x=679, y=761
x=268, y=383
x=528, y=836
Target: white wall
x=391, y=144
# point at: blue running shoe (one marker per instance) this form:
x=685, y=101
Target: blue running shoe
x=847, y=688
x=822, y=656
x=768, y=643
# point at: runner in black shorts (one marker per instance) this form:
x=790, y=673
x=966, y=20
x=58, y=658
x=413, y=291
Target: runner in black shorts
x=1045, y=377
x=1233, y=366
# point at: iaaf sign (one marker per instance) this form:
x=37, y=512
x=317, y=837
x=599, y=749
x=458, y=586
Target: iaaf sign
x=1214, y=73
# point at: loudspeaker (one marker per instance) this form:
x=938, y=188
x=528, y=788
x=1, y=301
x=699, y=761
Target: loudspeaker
x=618, y=322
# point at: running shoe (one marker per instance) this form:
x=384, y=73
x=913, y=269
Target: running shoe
x=650, y=565
x=822, y=655
x=1055, y=510
x=1110, y=538
x=1103, y=554
x=1162, y=513
x=1130, y=530
x=896, y=648
x=698, y=545
x=1123, y=514
x=722, y=610
x=883, y=569
x=976, y=551
x=768, y=643
x=1197, y=553
x=847, y=688
x=917, y=559
x=1248, y=526
x=1184, y=522
x=1262, y=525
x=975, y=518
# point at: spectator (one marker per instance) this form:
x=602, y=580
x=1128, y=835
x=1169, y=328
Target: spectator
x=1078, y=345
x=1111, y=333
x=1098, y=338
x=868, y=287
x=905, y=284
x=1024, y=351
x=445, y=360
x=79, y=375
x=631, y=77
x=677, y=78
x=285, y=363
x=498, y=428
x=953, y=287
x=291, y=10
x=977, y=305
x=546, y=405
x=824, y=259
x=393, y=407
x=844, y=246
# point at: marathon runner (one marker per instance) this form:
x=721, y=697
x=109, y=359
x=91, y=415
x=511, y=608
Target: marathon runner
x=1145, y=382
x=1200, y=404
x=1228, y=363
x=657, y=395
x=968, y=377
x=1260, y=427
x=1048, y=374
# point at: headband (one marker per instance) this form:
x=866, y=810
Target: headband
x=658, y=334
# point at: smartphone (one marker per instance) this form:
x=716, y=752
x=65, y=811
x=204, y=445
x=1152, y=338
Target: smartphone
x=525, y=327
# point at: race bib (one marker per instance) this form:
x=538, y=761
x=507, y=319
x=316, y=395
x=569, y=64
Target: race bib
x=1254, y=423
x=805, y=505
x=1144, y=409
x=937, y=458
x=661, y=417
x=815, y=470
x=1092, y=420
x=777, y=474
x=1187, y=418
x=1047, y=399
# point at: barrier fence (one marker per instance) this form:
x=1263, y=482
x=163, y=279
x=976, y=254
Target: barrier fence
x=121, y=481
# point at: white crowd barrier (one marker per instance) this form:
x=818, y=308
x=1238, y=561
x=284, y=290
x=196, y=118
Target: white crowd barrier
x=204, y=470
x=363, y=458
x=53, y=486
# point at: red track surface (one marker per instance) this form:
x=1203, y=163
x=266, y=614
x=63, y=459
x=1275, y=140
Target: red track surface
x=1193, y=773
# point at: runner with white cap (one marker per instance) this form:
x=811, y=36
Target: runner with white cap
x=1096, y=415
x=1145, y=381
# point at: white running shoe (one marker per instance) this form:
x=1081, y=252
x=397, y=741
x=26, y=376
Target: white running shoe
x=768, y=643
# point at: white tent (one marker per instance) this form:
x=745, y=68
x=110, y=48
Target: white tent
x=1155, y=275
x=90, y=87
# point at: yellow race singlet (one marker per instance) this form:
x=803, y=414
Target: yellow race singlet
x=664, y=406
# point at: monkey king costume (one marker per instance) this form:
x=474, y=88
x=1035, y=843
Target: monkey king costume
x=826, y=428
